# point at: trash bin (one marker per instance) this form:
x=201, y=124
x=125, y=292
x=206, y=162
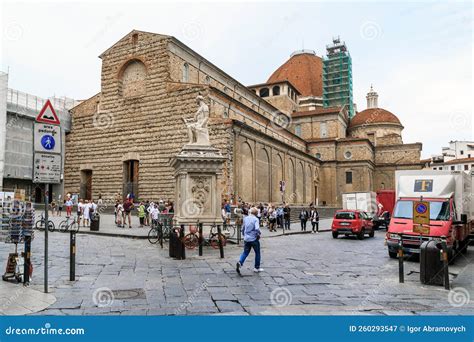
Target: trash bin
x=95, y=222
x=176, y=245
x=431, y=264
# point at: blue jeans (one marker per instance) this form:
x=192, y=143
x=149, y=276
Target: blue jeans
x=248, y=245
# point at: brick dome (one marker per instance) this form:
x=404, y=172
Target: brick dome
x=304, y=71
x=371, y=116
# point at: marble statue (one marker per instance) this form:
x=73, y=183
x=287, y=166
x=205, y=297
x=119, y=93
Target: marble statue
x=197, y=127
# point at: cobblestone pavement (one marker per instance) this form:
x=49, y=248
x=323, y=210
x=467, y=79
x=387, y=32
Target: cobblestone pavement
x=304, y=274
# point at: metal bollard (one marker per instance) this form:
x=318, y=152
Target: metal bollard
x=239, y=233
x=200, y=238
x=72, y=256
x=221, y=247
x=27, y=260
x=181, y=247
x=401, y=275
x=445, y=265
x=160, y=233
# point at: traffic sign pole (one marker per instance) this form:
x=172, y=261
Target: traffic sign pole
x=46, y=229
x=47, y=164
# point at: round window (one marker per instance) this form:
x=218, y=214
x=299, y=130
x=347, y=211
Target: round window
x=318, y=155
x=348, y=155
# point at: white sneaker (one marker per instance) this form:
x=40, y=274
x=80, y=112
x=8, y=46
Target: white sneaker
x=257, y=270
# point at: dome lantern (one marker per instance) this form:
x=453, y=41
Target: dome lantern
x=372, y=98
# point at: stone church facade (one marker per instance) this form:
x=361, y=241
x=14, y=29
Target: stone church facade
x=123, y=139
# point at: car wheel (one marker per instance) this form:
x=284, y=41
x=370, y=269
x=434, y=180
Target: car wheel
x=334, y=235
x=372, y=234
x=392, y=255
x=360, y=236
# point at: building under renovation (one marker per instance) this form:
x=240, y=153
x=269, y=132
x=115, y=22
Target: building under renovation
x=18, y=111
x=337, y=77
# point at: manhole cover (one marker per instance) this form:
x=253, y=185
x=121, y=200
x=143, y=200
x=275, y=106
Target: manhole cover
x=129, y=294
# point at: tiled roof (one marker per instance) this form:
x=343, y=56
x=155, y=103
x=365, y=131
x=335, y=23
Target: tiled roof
x=373, y=116
x=460, y=161
x=304, y=71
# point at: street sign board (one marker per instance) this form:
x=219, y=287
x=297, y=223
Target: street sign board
x=48, y=115
x=47, y=168
x=47, y=138
x=421, y=217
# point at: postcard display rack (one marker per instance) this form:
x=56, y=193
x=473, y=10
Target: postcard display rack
x=17, y=220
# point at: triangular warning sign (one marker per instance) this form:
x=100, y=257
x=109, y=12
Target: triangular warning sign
x=48, y=115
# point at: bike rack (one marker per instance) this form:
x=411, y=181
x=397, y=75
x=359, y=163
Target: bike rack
x=201, y=240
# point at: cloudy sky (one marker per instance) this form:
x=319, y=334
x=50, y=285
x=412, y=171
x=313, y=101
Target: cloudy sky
x=417, y=55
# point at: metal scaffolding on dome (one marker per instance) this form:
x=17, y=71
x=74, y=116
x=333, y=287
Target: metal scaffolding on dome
x=337, y=77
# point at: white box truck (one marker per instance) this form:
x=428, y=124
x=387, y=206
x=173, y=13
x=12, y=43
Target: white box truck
x=365, y=201
x=451, y=210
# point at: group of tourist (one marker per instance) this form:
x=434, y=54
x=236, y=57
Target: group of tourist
x=85, y=211
x=56, y=208
x=272, y=216
x=148, y=212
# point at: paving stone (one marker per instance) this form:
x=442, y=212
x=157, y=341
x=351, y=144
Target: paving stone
x=323, y=276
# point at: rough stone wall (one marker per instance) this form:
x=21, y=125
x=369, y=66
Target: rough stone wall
x=326, y=149
x=378, y=130
x=147, y=127
x=392, y=139
x=78, y=144
x=398, y=154
x=362, y=179
x=311, y=126
x=328, y=190
x=283, y=103
x=358, y=150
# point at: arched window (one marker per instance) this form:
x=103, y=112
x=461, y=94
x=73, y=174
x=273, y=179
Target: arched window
x=264, y=92
x=133, y=78
x=276, y=90
x=185, y=72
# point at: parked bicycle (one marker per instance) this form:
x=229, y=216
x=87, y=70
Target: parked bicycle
x=191, y=240
x=158, y=232
x=69, y=225
x=228, y=230
x=40, y=224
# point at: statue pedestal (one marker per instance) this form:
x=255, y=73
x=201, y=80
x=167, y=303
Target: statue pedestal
x=198, y=172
